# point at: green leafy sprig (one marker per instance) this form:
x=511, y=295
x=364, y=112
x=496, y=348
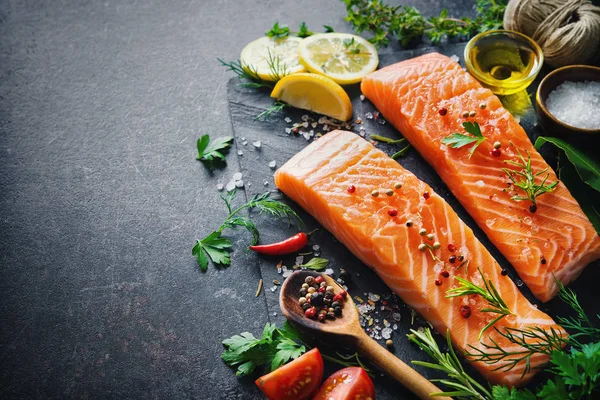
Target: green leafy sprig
x=217, y=248
x=210, y=152
x=524, y=178
x=407, y=24
x=274, y=348
x=488, y=292
x=276, y=107
x=280, y=32
x=458, y=140
x=248, y=75
x=461, y=383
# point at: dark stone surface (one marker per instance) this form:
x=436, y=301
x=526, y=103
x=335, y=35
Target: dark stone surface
x=101, y=198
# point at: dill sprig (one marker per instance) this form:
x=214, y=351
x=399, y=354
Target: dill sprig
x=533, y=340
x=525, y=179
x=580, y=325
x=487, y=292
x=249, y=75
x=274, y=108
x=217, y=248
x=462, y=384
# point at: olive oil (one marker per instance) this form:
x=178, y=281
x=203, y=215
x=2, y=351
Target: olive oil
x=503, y=61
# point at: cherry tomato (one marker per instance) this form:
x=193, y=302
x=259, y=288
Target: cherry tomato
x=350, y=383
x=297, y=380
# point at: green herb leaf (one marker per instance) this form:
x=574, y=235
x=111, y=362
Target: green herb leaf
x=504, y=393
x=276, y=107
x=554, y=390
x=328, y=29
x=386, y=139
x=316, y=263
x=216, y=247
x=209, y=152
x=458, y=140
x=278, y=32
x=401, y=152
x=248, y=75
x=587, y=168
x=246, y=223
x=304, y=32
x=287, y=349
x=588, y=199
x=525, y=179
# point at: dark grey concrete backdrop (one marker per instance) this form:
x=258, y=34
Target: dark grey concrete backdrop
x=101, y=198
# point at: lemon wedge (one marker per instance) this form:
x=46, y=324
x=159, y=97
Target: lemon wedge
x=272, y=58
x=316, y=93
x=343, y=57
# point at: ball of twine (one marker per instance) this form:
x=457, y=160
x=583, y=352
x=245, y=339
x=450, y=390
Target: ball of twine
x=568, y=31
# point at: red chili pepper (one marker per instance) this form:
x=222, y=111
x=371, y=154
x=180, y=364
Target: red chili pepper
x=287, y=246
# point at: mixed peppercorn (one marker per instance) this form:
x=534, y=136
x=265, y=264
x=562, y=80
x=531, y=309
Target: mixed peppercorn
x=319, y=300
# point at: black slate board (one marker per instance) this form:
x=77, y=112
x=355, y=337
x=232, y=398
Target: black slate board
x=276, y=144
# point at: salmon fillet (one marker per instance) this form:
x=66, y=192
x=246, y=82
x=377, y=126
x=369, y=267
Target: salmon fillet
x=557, y=238
x=318, y=178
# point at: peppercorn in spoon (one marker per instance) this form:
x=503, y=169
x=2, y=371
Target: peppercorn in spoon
x=346, y=329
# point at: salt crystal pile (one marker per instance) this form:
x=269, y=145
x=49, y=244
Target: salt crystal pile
x=576, y=104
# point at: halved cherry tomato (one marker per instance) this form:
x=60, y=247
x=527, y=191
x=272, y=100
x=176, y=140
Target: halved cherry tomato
x=350, y=383
x=297, y=380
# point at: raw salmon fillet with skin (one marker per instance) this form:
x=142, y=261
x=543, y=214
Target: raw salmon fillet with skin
x=556, y=239
x=318, y=177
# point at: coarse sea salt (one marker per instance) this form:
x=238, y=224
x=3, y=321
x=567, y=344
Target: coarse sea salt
x=576, y=104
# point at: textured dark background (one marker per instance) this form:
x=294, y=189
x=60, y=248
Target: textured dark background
x=101, y=198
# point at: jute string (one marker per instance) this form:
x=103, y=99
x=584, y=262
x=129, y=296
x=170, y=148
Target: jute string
x=568, y=31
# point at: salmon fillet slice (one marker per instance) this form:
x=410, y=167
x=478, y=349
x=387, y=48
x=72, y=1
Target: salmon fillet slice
x=557, y=239
x=318, y=178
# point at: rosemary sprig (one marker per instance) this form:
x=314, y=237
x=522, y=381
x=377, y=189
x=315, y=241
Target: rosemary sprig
x=524, y=179
x=462, y=384
x=533, y=340
x=274, y=108
x=487, y=292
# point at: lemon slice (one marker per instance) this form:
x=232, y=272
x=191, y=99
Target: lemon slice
x=314, y=93
x=343, y=57
x=272, y=58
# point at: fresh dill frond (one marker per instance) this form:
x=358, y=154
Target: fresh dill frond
x=247, y=74
x=533, y=340
x=274, y=108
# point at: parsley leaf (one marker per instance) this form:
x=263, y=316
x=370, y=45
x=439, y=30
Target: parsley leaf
x=278, y=32
x=216, y=247
x=210, y=152
x=274, y=348
x=504, y=393
x=328, y=29
x=458, y=140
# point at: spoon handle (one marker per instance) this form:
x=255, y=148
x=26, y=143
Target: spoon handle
x=397, y=369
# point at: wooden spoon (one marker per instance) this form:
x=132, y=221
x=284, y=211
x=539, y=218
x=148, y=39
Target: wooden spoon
x=347, y=330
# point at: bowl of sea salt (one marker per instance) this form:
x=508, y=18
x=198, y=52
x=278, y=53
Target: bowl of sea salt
x=568, y=100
